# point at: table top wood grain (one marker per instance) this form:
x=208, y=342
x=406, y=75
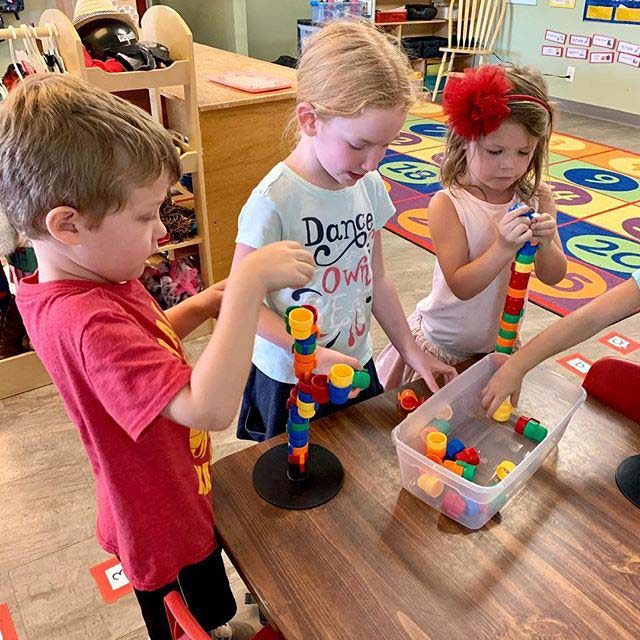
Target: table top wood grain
x=561, y=561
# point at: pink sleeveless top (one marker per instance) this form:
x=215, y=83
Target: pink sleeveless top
x=465, y=327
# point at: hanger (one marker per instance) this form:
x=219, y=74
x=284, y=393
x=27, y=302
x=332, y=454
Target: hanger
x=52, y=45
x=12, y=51
x=33, y=53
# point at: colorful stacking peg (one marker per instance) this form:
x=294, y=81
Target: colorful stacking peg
x=300, y=321
x=361, y=379
x=341, y=375
x=434, y=458
x=454, y=447
x=521, y=423
x=338, y=395
x=430, y=485
x=453, y=466
x=453, y=504
x=441, y=425
x=408, y=401
x=469, y=455
x=503, y=412
x=504, y=469
x=437, y=444
x=320, y=388
x=468, y=470
x=472, y=508
x=535, y=431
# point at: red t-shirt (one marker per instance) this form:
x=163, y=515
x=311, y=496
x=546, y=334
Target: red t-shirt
x=117, y=362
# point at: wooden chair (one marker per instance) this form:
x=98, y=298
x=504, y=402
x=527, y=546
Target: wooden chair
x=477, y=25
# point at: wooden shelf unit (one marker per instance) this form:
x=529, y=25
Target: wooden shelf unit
x=159, y=24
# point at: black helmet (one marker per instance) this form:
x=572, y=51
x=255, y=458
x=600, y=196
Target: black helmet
x=106, y=35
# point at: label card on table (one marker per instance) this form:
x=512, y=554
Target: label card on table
x=577, y=52
x=606, y=42
x=627, y=58
x=580, y=41
x=111, y=580
x=555, y=36
x=620, y=343
x=554, y=52
x=576, y=363
x=601, y=57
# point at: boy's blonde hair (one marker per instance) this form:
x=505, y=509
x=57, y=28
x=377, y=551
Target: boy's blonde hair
x=350, y=65
x=65, y=142
x=533, y=117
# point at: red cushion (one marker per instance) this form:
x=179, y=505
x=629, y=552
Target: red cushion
x=616, y=382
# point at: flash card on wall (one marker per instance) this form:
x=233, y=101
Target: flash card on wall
x=577, y=52
x=627, y=58
x=555, y=36
x=601, y=57
x=581, y=41
x=606, y=42
x=628, y=47
x=555, y=52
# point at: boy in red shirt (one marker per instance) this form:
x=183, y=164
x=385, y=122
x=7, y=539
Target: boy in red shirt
x=82, y=175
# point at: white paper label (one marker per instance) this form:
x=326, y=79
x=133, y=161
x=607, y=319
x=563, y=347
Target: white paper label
x=626, y=58
x=629, y=47
x=555, y=36
x=116, y=577
x=556, y=52
x=581, y=41
x=576, y=52
x=606, y=42
x=597, y=57
x=579, y=365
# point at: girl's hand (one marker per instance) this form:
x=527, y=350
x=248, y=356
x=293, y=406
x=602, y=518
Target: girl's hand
x=328, y=357
x=211, y=299
x=430, y=367
x=543, y=228
x=505, y=383
x=514, y=229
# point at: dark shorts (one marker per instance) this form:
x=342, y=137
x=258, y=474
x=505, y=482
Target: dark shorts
x=206, y=591
x=264, y=411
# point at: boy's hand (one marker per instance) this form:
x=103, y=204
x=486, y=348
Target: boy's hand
x=430, y=367
x=212, y=299
x=505, y=383
x=280, y=265
x=328, y=357
x=514, y=229
x=544, y=228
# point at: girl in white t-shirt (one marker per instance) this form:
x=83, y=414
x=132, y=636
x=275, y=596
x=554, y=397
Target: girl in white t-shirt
x=353, y=97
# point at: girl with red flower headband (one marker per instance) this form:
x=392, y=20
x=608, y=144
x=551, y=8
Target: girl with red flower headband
x=500, y=122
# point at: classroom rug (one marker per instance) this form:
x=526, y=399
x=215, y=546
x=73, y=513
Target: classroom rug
x=597, y=192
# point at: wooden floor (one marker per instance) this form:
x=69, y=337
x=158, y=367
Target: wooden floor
x=47, y=501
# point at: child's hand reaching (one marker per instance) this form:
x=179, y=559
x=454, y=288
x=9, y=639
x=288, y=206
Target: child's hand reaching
x=514, y=229
x=429, y=368
x=280, y=265
x=505, y=383
x=543, y=228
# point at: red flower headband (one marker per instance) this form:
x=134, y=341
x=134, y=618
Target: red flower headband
x=477, y=103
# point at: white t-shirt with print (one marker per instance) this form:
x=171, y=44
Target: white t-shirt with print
x=338, y=229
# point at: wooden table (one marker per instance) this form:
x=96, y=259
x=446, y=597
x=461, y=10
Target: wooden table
x=242, y=139
x=562, y=561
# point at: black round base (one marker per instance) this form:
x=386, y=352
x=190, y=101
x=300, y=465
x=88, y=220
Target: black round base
x=628, y=479
x=323, y=482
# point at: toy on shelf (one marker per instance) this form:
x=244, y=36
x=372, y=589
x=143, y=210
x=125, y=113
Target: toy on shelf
x=521, y=269
x=305, y=486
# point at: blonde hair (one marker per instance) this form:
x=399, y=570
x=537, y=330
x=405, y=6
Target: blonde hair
x=65, y=142
x=350, y=65
x=534, y=118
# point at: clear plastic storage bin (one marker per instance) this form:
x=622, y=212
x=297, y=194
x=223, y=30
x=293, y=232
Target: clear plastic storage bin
x=546, y=396
x=322, y=12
